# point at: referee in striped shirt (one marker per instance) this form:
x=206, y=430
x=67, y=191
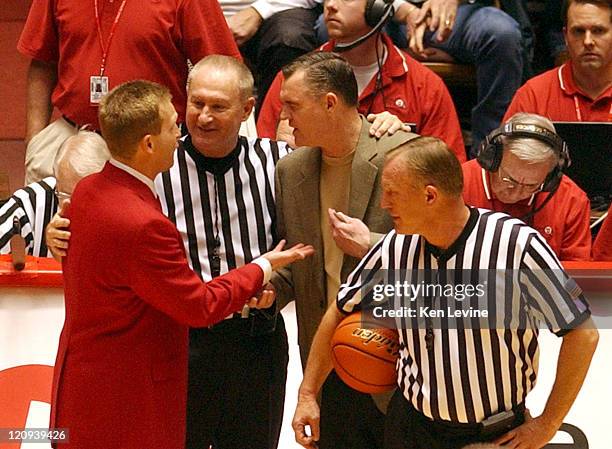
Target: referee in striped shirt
x=462, y=384
x=35, y=204
x=220, y=195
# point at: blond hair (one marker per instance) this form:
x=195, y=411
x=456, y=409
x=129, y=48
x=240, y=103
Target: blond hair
x=129, y=112
x=429, y=161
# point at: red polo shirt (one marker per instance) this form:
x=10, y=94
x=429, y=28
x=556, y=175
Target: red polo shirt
x=554, y=94
x=564, y=220
x=602, y=248
x=412, y=92
x=152, y=41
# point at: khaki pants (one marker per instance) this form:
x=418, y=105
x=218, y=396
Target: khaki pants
x=42, y=148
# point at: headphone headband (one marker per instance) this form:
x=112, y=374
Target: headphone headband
x=491, y=149
x=530, y=131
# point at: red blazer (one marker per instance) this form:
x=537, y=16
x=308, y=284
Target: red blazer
x=120, y=378
x=602, y=248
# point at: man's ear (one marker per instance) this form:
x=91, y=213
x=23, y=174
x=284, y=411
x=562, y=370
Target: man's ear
x=248, y=108
x=147, y=143
x=431, y=194
x=331, y=101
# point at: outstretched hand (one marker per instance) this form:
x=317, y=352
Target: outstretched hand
x=280, y=258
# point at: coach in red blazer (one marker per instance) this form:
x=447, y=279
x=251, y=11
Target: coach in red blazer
x=120, y=377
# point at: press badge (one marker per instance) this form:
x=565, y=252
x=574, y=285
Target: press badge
x=98, y=88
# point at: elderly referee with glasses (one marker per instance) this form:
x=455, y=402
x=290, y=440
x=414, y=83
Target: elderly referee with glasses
x=34, y=205
x=519, y=171
x=460, y=382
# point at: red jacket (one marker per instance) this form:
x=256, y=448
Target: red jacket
x=602, y=248
x=411, y=91
x=120, y=378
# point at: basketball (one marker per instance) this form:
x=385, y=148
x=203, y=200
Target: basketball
x=364, y=356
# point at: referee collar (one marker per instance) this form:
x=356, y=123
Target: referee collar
x=444, y=255
x=214, y=165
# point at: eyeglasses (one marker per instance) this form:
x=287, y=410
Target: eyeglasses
x=61, y=196
x=512, y=183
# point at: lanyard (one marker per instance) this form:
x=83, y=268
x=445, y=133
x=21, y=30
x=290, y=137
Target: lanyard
x=575, y=97
x=579, y=115
x=110, y=36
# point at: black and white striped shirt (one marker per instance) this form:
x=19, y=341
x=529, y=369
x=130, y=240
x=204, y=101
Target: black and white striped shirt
x=463, y=373
x=232, y=199
x=34, y=206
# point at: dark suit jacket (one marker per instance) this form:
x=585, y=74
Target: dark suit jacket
x=120, y=378
x=298, y=220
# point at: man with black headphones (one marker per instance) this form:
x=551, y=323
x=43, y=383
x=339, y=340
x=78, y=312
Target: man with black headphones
x=519, y=171
x=387, y=78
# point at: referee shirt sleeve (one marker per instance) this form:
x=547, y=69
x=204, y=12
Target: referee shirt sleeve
x=14, y=207
x=356, y=292
x=551, y=295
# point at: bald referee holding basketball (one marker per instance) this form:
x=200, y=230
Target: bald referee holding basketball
x=461, y=385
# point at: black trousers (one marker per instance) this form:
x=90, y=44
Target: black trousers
x=349, y=419
x=406, y=428
x=236, y=389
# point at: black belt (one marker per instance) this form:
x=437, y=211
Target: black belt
x=79, y=127
x=259, y=322
x=490, y=428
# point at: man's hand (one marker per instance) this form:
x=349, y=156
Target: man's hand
x=284, y=133
x=385, y=122
x=57, y=234
x=306, y=414
x=350, y=234
x=244, y=25
x=264, y=299
x=534, y=433
x=434, y=15
x=279, y=258
x=409, y=14
x=441, y=15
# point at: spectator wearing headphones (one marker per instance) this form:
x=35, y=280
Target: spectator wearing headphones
x=519, y=171
x=387, y=78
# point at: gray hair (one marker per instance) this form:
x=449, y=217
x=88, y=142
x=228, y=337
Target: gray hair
x=222, y=62
x=86, y=152
x=529, y=149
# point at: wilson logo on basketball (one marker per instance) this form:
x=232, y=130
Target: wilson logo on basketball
x=380, y=338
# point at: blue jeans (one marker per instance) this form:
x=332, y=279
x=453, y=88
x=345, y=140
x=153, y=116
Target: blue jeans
x=489, y=39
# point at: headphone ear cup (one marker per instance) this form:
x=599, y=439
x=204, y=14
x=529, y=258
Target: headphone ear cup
x=490, y=154
x=374, y=12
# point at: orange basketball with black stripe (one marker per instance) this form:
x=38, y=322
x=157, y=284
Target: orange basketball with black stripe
x=365, y=356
